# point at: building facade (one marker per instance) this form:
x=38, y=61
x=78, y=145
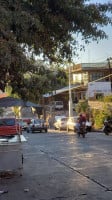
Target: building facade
x=81, y=75
x=86, y=73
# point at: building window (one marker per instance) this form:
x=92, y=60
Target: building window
x=85, y=78
x=80, y=78
x=77, y=78
x=96, y=75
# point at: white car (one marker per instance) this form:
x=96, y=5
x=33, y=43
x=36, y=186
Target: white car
x=57, y=105
x=71, y=123
x=61, y=123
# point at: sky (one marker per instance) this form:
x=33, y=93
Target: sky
x=97, y=52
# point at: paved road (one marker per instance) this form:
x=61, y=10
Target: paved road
x=61, y=166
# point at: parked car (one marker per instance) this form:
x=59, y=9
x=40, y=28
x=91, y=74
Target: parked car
x=23, y=125
x=57, y=117
x=27, y=120
x=37, y=125
x=57, y=105
x=61, y=123
x=9, y=127
x=71, y=123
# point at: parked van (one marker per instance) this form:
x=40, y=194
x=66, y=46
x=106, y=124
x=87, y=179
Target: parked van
x=58, y=105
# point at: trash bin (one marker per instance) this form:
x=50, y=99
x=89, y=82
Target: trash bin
x=11, y=156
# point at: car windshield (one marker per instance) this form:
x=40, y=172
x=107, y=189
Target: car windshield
x=64, y=119
x=7, y=122
x=72, y=119
x=58, y=117
x=22, y=123
x=59, y=103
x=37, y=121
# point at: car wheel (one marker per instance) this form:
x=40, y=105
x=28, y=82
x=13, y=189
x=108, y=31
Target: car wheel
x=75, y=130
x=68, y=129
x=46, y=130
x=90, y=129
x=28, y=130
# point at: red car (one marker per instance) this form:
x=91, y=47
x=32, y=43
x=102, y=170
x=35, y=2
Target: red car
x=9, y=126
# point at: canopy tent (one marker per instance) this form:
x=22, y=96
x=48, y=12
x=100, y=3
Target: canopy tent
x=11, y=101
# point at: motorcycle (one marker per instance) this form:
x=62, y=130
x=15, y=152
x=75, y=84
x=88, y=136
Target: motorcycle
x=107, y=129
x=81, y=131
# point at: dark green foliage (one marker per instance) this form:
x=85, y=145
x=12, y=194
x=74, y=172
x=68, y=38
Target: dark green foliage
x=100, y=115
x=82, y=107
x=44, y=27
x=105, y=113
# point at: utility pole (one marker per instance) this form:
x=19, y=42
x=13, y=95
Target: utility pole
x=110, y=70
x=70, y=95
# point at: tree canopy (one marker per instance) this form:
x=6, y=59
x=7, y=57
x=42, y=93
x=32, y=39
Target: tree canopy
x=45, y=27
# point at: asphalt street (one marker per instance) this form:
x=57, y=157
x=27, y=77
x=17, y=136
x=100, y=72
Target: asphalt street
x=61, y=166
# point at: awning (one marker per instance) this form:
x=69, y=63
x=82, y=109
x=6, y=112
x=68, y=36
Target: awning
x=62, y=90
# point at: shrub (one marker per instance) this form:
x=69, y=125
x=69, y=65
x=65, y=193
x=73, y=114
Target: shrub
x=100, y=115
x=82, y=107
x=107, y=98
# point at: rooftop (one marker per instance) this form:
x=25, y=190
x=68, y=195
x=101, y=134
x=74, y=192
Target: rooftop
x=89, y=66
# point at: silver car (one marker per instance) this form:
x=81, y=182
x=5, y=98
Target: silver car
x=37, y=125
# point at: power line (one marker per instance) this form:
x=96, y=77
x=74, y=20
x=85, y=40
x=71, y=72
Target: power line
x=101, y=78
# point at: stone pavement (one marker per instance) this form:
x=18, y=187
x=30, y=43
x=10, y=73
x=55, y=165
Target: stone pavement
x=61, y=166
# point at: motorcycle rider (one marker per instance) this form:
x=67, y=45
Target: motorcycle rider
x=80, y=126
x=82, y=119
